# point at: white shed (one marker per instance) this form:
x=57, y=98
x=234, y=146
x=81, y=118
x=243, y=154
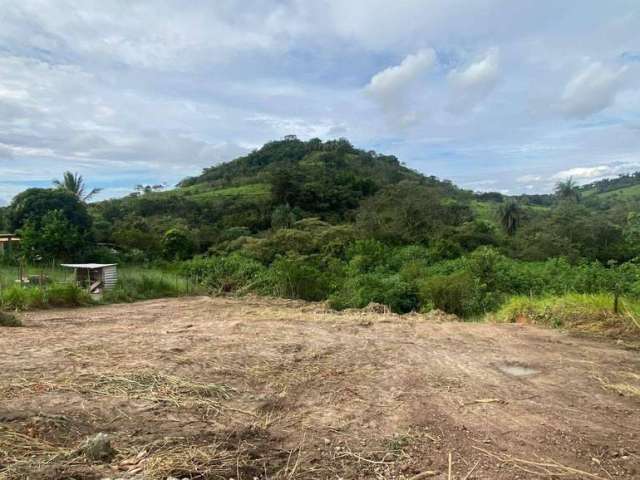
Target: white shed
x=96, y=277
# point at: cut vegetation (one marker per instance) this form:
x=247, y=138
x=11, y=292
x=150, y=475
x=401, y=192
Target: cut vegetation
x=273, y=389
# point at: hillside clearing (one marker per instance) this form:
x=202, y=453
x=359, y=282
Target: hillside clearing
x=260, y=388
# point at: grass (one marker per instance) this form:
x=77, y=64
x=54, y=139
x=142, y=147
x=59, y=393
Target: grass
x=162, y=388
x=135, y=283
x=17, y=297
x=145, y=284
x=9, y=320
x=589, y=313
x=200, y=192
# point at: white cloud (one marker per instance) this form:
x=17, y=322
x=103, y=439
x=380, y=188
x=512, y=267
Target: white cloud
x=472, y=84
x=584, y=173
x=592, y=89
x=130, y=92
x=528, y=179
x=391, y=87
x=390, y=81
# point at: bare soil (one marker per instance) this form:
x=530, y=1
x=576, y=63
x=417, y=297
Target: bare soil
x=258, y=388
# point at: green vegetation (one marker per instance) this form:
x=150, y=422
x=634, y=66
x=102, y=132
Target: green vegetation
x=9, y=320
x=145, y=284
x=58, y=289
x=326, y=221
x=18, y=297
x=586, y=312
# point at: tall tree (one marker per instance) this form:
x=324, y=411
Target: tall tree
x=567, y=190
x=510, y=217
x=74, y=183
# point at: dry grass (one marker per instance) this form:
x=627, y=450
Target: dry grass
x=621, y=388
x=22, y=453
x=185, y=459
x=161, y=388
x=156, y=387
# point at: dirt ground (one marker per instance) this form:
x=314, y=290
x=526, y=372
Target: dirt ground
x=271, y=389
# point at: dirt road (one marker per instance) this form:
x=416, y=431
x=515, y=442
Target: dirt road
x=256, y=388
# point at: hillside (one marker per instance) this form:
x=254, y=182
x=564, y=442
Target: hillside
x=295, y=179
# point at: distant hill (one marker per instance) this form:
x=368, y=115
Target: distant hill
x=310, y=161
x=626, y=186
x=327, y=180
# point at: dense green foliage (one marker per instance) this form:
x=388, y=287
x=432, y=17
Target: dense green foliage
x=53, y=224
x=326, y=221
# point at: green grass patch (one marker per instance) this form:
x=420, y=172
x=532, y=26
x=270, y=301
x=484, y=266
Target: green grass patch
x=18, y=297
x=589, y=313
x=138, y=284
x=197, y=192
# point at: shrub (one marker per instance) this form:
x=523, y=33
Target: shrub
x=456, y=293
x=225, y=273
x=177, y=244
x=65, y=295
x=390, y=290
x=17, y=297
x=8, y=320
x=296, y=276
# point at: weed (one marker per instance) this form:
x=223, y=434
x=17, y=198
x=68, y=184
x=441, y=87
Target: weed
x=9, y=320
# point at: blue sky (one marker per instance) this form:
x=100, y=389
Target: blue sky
x=492, y=94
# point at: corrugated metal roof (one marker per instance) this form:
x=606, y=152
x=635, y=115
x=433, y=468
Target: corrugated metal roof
x=91, y=266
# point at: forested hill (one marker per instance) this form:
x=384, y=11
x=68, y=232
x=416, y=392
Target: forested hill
x=312, y=163
x=284, y=182
x=290, y=186
x=629, y=181
x=318, y=198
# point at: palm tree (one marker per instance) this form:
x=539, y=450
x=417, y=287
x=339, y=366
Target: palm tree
x=510, y=216
x=567, y=190
x=74, y=183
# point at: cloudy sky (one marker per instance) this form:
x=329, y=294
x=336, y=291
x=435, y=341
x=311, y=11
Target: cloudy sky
x=492, y=94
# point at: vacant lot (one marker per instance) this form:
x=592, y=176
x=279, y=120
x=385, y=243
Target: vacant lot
x=256, y=388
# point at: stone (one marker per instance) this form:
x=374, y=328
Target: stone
x=98, y=448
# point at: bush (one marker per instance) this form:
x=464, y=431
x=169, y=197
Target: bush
x=65, y=295
x=225, y=273
x=295, y=276
x=457, y=293
x=177, y=244
x=19, y=297
x=390, y=290
x=8, y=320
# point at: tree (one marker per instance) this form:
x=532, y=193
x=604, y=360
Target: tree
x=510, y=217
x=177, y=244
x=567, y=190
x=410, y=212
x=74, y=184
x=53, y=237
x=33, y=204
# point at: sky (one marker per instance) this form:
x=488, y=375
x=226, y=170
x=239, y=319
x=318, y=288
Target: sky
x=495, y=95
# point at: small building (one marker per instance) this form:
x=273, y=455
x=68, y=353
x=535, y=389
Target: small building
x=95, y=277
x=7, y=242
